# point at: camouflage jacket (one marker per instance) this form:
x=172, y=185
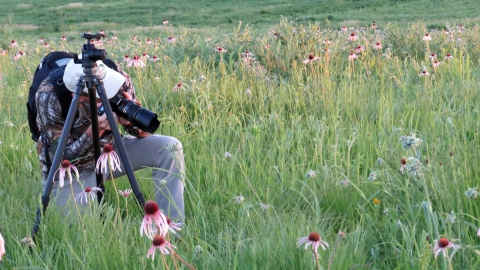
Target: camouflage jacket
x=79, y=147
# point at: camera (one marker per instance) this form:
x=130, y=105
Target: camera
x=140, y=117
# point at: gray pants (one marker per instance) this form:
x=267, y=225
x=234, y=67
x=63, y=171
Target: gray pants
x=162, y=153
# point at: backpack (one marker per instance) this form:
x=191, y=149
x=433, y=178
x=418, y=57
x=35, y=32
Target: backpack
x=53, y=66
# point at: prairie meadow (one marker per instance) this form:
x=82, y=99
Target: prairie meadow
x=342, y=142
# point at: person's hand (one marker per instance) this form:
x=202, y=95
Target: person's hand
x=2, y=247
x=122, y=120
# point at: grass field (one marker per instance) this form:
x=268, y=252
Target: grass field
x=376, y=150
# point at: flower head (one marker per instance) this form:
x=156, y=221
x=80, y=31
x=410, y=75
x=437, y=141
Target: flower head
x=136, y=62
x=108, y=160
x=424, y=73
x=63, y=38
x=154, y=221
x=159, y=242
x=449, y=56
x=171, y=39
x=127, y=59
x=179, y=87
x=352, y=56
x=359, y=49
x=313, y=239
x=173, y=226
x=165, y=21
x=472, y=193
x=352, y=37
x=66, y=167
x=125, y=193
x=377, y=46
x=311, y=58
x=85, y=194
x=427, y=37
x=239, y=199
x=220, y=49
x=2, y=247
x=376, y=201
x=14, y=44
x=432, y=56
x=441, y=246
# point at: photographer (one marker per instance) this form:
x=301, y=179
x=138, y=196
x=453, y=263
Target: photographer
x=163, y=153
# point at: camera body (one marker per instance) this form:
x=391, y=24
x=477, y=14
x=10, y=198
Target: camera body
x=140, y=117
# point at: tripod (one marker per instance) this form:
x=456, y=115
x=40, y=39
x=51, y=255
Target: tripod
x=95, y=85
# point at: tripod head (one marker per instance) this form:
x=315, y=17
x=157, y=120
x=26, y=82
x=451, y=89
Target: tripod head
x=90, y=54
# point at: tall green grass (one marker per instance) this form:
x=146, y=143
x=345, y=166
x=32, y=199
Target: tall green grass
x=311, y=147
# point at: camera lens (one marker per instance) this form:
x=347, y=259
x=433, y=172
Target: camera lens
x=140, y=117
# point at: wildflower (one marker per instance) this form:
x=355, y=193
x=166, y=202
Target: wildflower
x=18, y=55
x=248, y=92
x=410, y=141
x=441, y=245
x=63, y=38
x=220, y=49
x=108, y=160
x=313, y=239
x=376, y=201
x=153, y=216
x=66, y=167
x=372, y=176
x=449, y=56
x=136, y=62
x=227, y=155
x=84, y=194
x=173, y=226
x=472, y=193
x=342, y=234
x=352, y=37
x=154, y=58
x=345, y=182
x=198, y=249
x=28, y=241
x=264, y=207
x=145, y=56
x=45, y=45
x=374, y=25
x=125, y=193
x=344, y=29
x=2, y=247
x=450, y=218
x=377, y=46
x=427, y=37
x=380, y=161
x=180, y=86
x=149, y=41
x=326, y=41
x=127, y=59
x=310, y=174
x=311, y=58
x=114, y=37
x=247, y=54
x=436, y=63
x=239, y=199
x=352, y=56
x=171, y=39
x=14, y=44
x=159, y=242
x=424, y=73
x=432, y=56
x=359, y=49
x=165, y=21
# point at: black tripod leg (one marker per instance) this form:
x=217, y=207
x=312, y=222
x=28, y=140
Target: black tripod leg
x=58, y=154
x=119, y=142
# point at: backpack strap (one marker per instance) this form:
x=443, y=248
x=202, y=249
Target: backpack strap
x=64, y=95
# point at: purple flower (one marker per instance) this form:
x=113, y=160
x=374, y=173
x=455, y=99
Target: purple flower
x=159, y=242
x=154, y=221
x=66, y=167
x=108, y=159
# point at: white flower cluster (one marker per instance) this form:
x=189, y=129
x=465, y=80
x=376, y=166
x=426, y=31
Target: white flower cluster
x=410, y=142
x=472, y=193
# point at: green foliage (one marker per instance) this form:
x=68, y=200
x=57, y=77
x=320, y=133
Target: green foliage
x=311, y=146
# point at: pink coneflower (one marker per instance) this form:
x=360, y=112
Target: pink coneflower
x=436, y=63
x=424, y=73
x=18, y=55
x=2, y=247
x=374, y=25
x=63, y=38
x=171, y=39
x=154, y=58
x=14, y=44
x=311, y=58
x=352, y=56
x=84, y=194
x=449, y=56
x=208, y=38
x=127, y=59
x=312, y=239
x=359, y=49
x=46, y=45
x=159, y=242
x=179, y=87
x=344, y=29
x=352, y=37
x=66, y=167
x=427, y=37
x=125, y=193
x=101, y=31
x=173, y=226
x=41, y=40
x=145, y=56
x=326, y=41
x=247, y=54
x=154, y=221
x=149, y=41
x=108, y=160
x=136, y=62
x=441, y=246
x=432, y=56
x=114, y=37
x=377, y=46
x=165, y=21
x=220, y=49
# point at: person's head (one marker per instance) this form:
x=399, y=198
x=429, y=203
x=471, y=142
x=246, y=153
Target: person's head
x=112, y=80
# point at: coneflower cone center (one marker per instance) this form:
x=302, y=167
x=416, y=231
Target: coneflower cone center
x=311, y=57
x=443, y=242
x=150, y=207
x=107, y=148
x=158, y=240
x=88, y=189
x=65, y=164
x=314, y=237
